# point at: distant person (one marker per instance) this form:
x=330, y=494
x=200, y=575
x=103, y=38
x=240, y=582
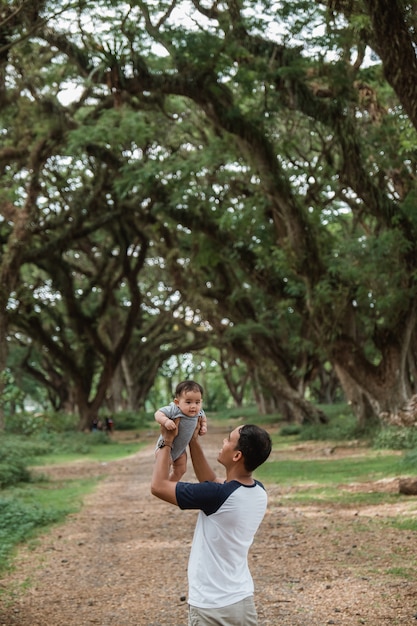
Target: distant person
x=181, y=417
x=109, y=424
x=221, y=589
x=96, y=425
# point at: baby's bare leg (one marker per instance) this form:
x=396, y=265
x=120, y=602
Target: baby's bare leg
x=179, y=467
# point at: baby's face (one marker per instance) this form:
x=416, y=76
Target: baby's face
x=189, y=403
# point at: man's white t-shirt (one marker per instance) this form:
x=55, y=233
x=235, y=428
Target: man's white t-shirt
x=230, y=514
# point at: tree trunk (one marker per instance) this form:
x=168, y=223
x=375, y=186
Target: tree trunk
x=297, y=408
x=88, y=414
x=257, y=392
x=406, y=416
x=375, y=392
x=408, y=486
x=396, y=48
x=237, y=389
x=357, y=398
x=9, y=271
x=116, y=397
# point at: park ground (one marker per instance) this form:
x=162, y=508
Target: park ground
x=122, y=559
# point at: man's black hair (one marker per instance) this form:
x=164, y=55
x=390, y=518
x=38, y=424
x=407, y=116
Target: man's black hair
x=255, y=444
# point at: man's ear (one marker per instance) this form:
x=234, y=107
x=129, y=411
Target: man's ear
x=237, y=455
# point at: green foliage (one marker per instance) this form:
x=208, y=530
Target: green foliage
x=217, y=396
x=244, y=414
x=13, y=395
x=395, y=438
x=290, y=430
x=289, y=149
x=13, y=463
x=24, y=446
x=131, y=420
x=28, y=507
x=12, y=472
x=48, y=425
x=41, y=423
x=19, y=521
x=122, y=129
x=73, y=443
x=342, y=426
x=25, y=423
x=409, y=460
x=98, y=446
x=26, y=511
x=59, y=422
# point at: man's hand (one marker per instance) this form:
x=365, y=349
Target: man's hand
x=196, y=430
x=203, y=426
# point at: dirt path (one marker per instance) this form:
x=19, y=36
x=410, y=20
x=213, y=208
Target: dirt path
x=122, y=560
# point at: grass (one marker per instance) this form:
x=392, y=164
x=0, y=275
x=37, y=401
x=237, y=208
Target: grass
x=29, y=509
x=327, y=481
x=336, y=496
x=99, y=452
x=330, y=471
x=409, y=524
x=405, y=573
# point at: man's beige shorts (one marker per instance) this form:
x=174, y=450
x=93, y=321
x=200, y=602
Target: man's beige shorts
x=241, y=613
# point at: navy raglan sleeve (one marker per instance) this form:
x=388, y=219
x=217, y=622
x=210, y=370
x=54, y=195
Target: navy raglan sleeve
x=206, y=496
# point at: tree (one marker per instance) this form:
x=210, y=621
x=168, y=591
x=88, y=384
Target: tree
x=313, y=190
x=336, y=112
x=29, y=143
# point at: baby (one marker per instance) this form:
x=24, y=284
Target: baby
x=183, y=413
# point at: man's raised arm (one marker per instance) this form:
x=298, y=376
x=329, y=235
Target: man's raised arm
x=202, y=469
x=161, y=486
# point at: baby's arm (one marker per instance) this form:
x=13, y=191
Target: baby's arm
x=163, y=420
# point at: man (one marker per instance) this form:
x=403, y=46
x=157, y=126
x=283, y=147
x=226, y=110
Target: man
x=220, y=584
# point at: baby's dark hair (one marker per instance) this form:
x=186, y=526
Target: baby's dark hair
x=187, y=385
x=255, y=445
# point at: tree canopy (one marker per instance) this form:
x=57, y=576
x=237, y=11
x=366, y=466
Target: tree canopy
x=244, y=168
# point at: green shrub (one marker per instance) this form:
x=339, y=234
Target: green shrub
x=13, y=472
x=72, y=442
x=130, y=420
x=290, y=430
x=245, y=415
x=37, y=423
x=395, y=438
x=341, y=427
x=15, y=445
x=99, y=437
x=18, y=521
x=25, y=423
x=410, y=459
x=13, y=465
x=58, y=422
